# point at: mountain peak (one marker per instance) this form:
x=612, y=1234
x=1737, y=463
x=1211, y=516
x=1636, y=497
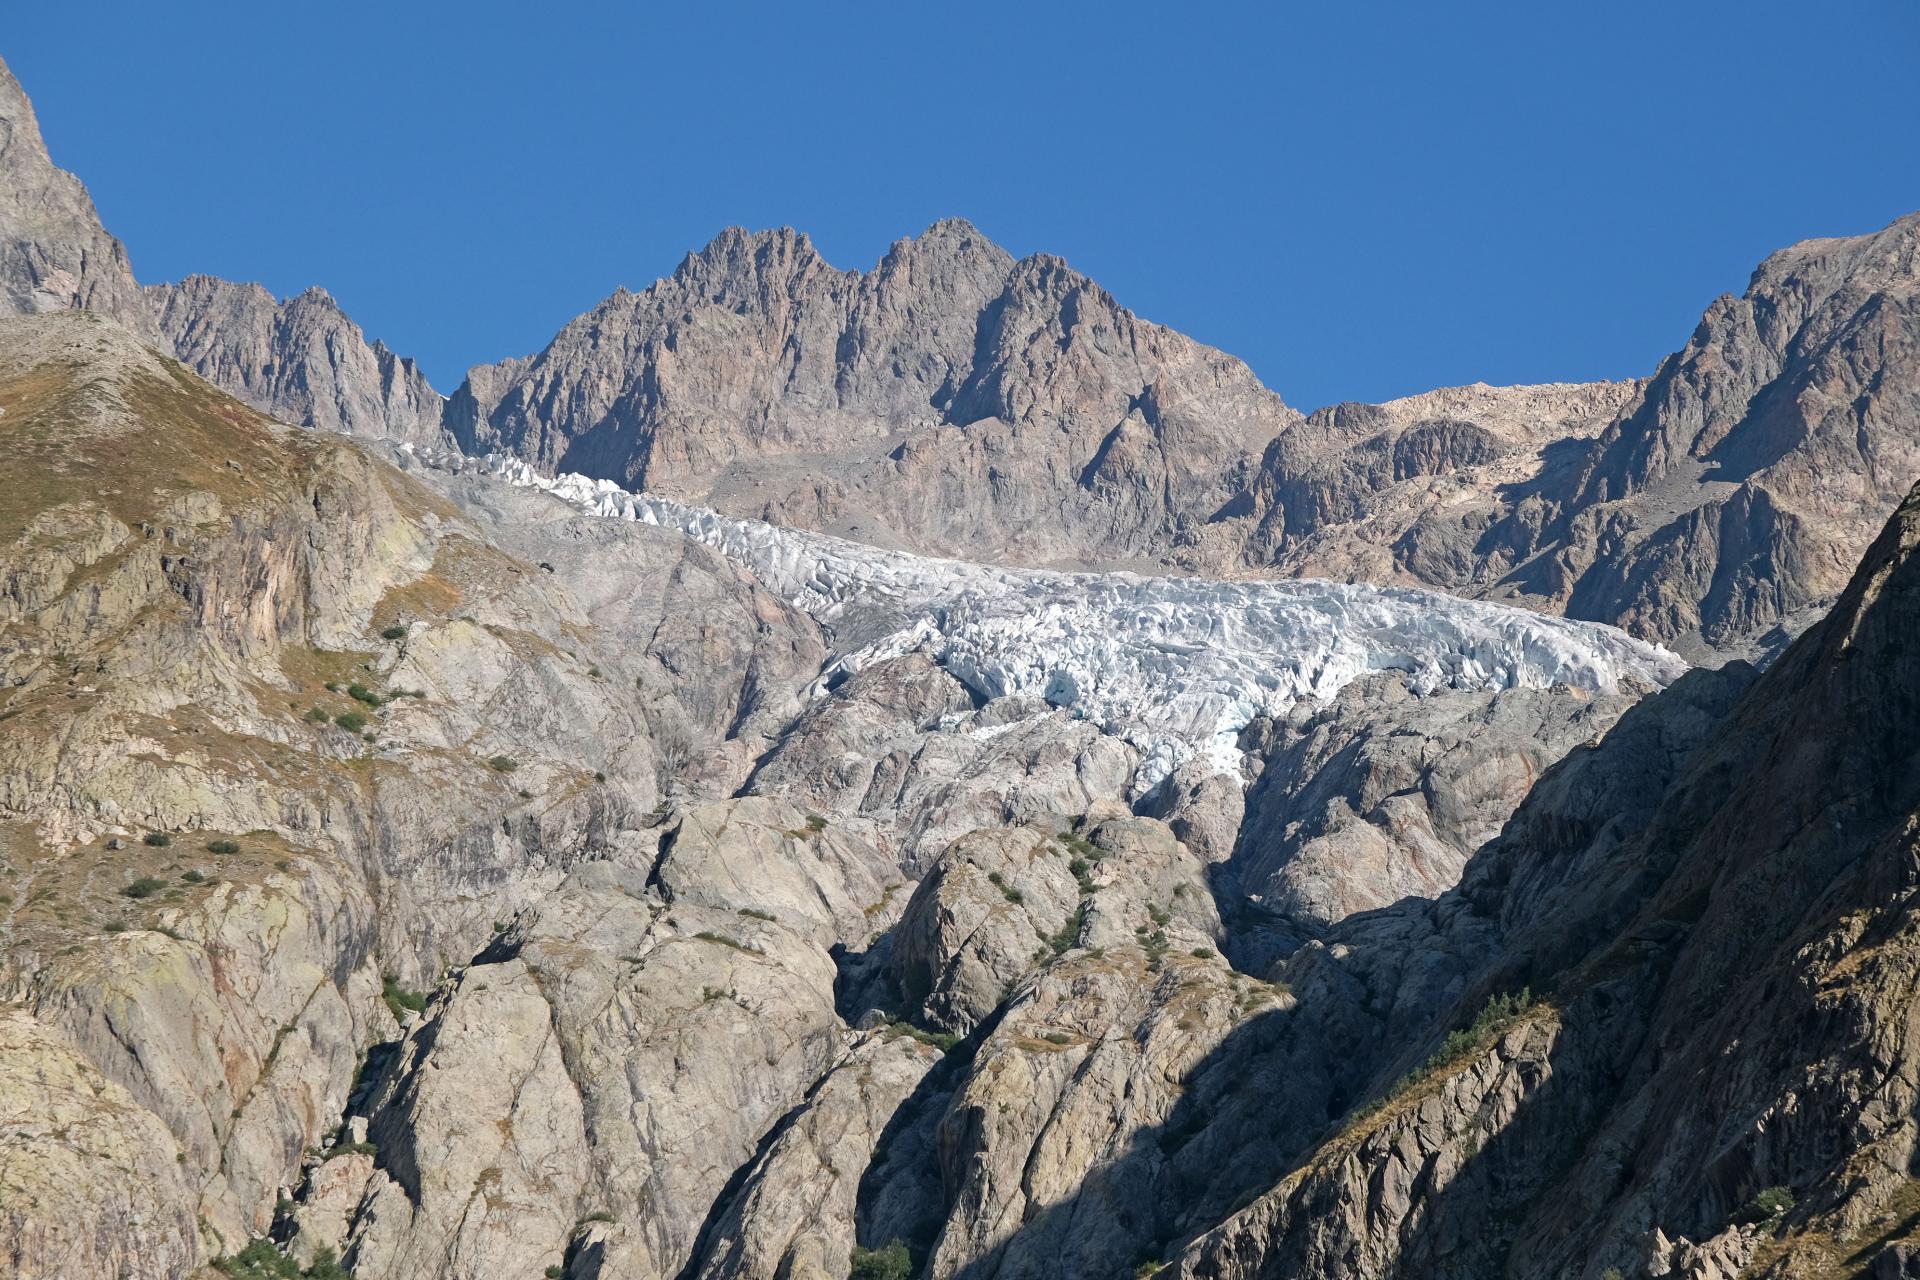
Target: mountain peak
x=54, y=254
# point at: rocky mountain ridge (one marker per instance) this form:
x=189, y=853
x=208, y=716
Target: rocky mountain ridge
x=953, y=398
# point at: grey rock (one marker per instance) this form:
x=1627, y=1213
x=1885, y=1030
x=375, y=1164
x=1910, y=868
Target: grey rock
x=949, y=398
x=54, y=254
x=301, y=360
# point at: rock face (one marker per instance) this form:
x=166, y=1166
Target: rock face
x=300, y=360
x=1721, y=508
x=951, y=397
x=282, y=728
x=54, y=254
x=1380, y=795
x=1714, y=1076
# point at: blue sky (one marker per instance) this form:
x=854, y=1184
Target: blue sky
x=1361, y=199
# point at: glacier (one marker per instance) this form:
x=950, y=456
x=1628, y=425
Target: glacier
x=1176, y=666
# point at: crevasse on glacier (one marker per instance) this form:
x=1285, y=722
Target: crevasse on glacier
x=1176, y=666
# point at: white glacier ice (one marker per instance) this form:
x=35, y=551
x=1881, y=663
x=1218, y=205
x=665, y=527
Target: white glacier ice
x=1177, y=666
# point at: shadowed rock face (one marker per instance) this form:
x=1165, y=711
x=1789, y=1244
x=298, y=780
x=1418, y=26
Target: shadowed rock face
x=1724, y=981
x=1720, y=509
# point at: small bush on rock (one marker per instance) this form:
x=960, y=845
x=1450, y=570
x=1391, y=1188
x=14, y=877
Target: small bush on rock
x=400, y=1001
x=1770, y=1204
x=157, y=839
x=144, y=887
x=890, y=1262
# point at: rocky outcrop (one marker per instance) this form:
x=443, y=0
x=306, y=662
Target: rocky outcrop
x=1717, y=507
x=301, y=360
x=1383, y=794
x=590, y=1084
x=950, y=397
x=721, y=663
x=54, y=254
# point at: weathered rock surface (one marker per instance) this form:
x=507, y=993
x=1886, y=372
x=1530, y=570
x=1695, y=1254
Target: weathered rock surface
x=949, y=398
x=301, y=360
x=592, y=1082
x=54, y=254
x=1383, y=794
x=280, y=724
x=722, y=664
x=1683, y=507
x=1724, y=997
x=88, y=1180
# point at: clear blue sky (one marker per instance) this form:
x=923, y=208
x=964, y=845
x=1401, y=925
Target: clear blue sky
x=1360, y=199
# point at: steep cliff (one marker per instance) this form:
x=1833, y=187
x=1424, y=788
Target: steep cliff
x=1711, y=1071
x=54, y=254
x=300, y=360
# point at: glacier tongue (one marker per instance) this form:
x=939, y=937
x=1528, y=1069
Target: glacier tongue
x=1176, y=666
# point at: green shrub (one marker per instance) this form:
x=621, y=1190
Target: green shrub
x=1202, y=953
x=144, y=887
x=1057, y=1037
x=260, y=1260
x=1771, y=1203
x=503, y=764
x=598, y=1215
x=1007, y=891
x=889, y=1262
x=1069, y=932
x=114, y=926
x=599, y=776
x=351, y=721
x=399, y=999
x=897, y=1027
x=1499, y=1014
x=193, y=877
x=223, y=846
x=316, y=716
x=816, y=823
x=360, y=693
x=157, y=839
x=395, y=632
x=555, y=1272
x=326, y=1266
x=754, y=913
